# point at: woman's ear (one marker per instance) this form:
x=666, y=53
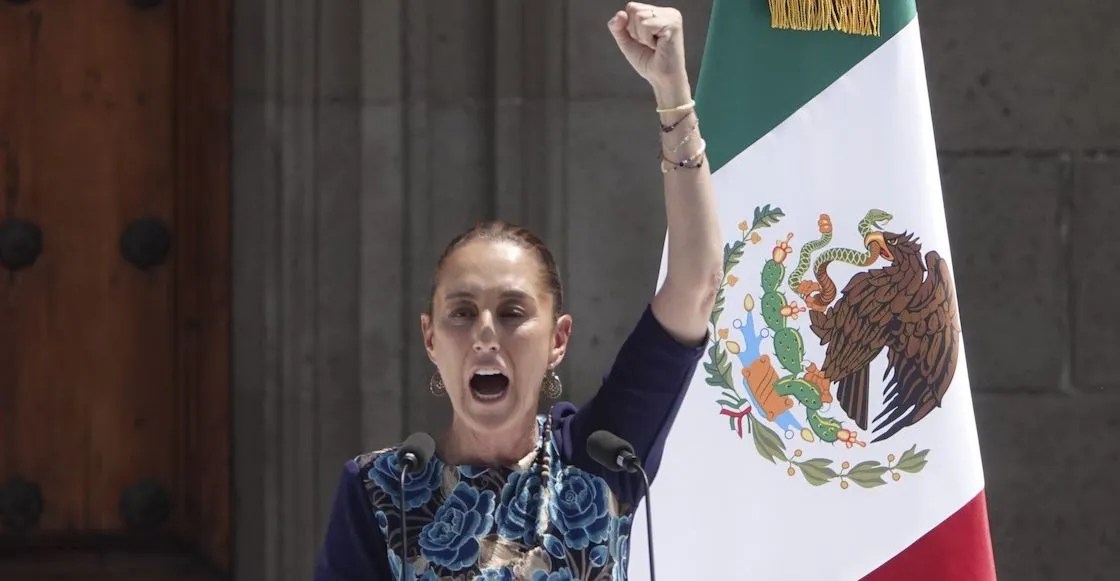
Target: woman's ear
x=561, y=335
x=427, y=328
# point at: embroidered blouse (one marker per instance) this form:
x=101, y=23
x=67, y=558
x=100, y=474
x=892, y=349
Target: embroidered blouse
x=555, y=516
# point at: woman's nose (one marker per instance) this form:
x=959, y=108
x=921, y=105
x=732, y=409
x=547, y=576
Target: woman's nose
x=486, y=339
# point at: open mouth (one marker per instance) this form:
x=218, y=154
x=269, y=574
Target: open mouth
x=489, y=385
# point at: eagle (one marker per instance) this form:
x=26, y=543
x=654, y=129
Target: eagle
x=909, y=309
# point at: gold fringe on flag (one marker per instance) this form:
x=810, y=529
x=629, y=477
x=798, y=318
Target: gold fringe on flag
x=850, y=16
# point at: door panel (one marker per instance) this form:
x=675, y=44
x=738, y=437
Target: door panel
x=113, y=349
x=203, y=280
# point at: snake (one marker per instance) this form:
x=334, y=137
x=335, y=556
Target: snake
x=825, y=289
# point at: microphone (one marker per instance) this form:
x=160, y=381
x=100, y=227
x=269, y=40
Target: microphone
x=412, y=457
x=612, y=452
x=617, y=455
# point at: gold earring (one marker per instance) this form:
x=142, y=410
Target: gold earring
x=435, y=385
x=551, y=385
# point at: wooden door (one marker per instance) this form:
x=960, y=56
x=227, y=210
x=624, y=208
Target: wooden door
x=114, y=289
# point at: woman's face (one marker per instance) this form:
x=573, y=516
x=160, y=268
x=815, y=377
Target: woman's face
x=492, y=333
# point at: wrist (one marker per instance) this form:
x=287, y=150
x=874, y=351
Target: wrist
x=672, y=93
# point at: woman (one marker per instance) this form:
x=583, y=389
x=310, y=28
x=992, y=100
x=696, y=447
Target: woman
x=513, y=495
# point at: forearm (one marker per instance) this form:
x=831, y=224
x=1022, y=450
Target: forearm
x=695, y=262
x=652, y=39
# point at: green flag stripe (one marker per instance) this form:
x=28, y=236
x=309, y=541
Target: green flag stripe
x=753, y=76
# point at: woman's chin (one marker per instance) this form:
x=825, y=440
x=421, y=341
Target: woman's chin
x=492, y=410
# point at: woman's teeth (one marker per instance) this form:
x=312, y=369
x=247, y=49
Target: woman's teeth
x=488, y=396
x=488, y=384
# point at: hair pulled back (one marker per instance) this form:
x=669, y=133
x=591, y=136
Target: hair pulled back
x=499, y=231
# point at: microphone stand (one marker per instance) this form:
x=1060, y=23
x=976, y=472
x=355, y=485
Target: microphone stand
x=649, y=521
x=416, y=451
x=616, y=454
x=404, y=526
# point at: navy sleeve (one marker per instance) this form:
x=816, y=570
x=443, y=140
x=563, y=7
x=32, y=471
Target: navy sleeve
x=638, y=400
x=353, y=548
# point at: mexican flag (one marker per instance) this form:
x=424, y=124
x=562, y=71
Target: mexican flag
x=829, y=433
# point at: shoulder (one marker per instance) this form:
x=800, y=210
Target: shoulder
x=373, y=471
x=363, y=466
x=378, y=475
x=568, y=439
x=381, y=468
x=366, y=460
x=560, y=412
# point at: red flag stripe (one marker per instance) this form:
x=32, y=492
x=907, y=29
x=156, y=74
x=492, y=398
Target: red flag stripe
x=959, y=549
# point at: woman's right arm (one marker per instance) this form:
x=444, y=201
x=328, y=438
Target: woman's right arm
x=353, y=548
x=641, y=395
x=638, y=401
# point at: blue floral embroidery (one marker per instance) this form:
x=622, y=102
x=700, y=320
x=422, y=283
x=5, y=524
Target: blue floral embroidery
x=395, y=565
x=450, y=540
x=409, y=570
x=503, y=574
x=620, y=545
x=386, y=474
x=517, y=511
x=599, y=555
x=554, y=546
x=579, y=509
x=583, y=539
x=561, y=575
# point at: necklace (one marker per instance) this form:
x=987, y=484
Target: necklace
x=544, y=466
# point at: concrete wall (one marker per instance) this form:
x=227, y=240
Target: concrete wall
x=368, y=133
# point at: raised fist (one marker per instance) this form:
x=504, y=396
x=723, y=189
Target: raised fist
x=652, y=39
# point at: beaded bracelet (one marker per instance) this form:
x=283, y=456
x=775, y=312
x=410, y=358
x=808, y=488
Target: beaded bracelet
x=686, y=139
x=670, y=128
x=694, y=162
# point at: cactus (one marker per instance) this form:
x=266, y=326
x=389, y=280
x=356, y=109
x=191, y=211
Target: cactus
x=824, y=428
x=789, y=349
x=772, y=303
x=772, y=275
x=805, y=392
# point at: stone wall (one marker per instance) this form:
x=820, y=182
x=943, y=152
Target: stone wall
x=368, y=133
x=1024, y=101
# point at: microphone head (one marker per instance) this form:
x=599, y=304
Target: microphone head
x=608, y=450
x=415, y=452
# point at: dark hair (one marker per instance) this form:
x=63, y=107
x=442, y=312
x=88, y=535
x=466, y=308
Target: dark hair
x=498, y=231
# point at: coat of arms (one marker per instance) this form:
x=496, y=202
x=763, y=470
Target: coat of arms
x=900, y=305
